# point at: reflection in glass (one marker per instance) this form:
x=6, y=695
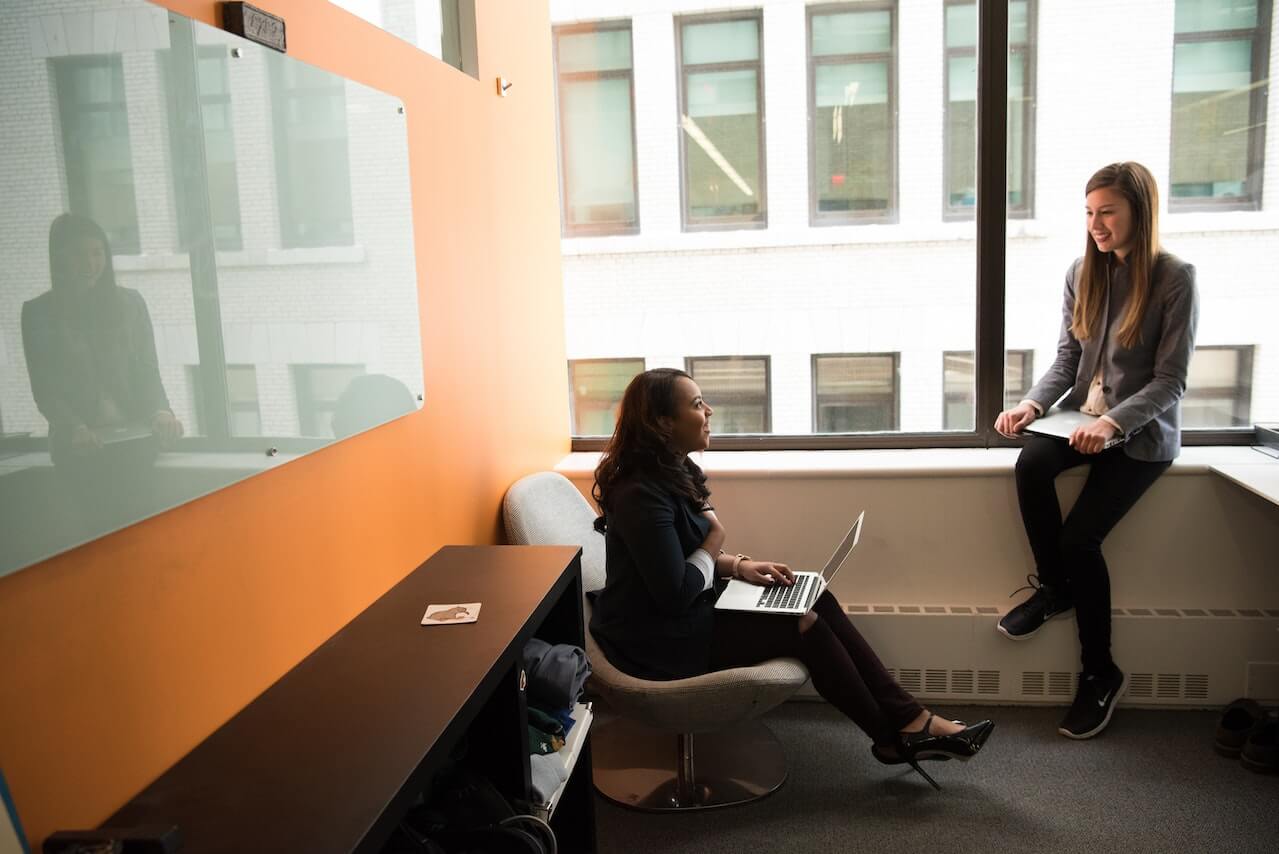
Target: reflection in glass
x=233, y=284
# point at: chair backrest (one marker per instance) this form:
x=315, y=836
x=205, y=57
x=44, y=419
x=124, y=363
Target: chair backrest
x=545, y=509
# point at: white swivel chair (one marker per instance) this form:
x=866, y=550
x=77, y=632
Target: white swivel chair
x=643, y=754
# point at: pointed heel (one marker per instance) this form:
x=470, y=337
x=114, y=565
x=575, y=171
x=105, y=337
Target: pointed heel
x=924, y=774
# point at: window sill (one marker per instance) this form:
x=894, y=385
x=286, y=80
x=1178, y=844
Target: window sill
x=918, y=463
x=1215, y=222
x=231, y=259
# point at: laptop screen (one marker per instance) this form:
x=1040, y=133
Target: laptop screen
x=841, y=553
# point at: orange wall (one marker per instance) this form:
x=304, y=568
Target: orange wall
x=120, y=656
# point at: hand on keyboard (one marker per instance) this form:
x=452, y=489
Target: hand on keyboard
x=766, y=573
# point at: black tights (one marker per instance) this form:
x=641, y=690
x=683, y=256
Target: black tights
x=843, y=667
x=1068, y=554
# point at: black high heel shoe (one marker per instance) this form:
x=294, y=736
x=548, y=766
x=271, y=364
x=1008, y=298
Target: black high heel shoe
x=911, y=748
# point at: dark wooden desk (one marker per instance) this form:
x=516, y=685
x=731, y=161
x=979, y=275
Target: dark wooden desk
x=331, y=756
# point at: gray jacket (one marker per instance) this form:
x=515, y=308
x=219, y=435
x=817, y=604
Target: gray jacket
x=1144, y=384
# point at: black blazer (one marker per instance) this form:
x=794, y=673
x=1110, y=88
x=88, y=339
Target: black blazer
x=652, y=618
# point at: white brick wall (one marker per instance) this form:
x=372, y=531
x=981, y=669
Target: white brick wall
x=791, y=290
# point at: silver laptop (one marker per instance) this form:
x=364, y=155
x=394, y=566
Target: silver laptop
x=794, y=599
x=1060, y=423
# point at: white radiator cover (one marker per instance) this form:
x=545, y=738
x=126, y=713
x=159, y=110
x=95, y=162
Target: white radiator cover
x=1174, y=657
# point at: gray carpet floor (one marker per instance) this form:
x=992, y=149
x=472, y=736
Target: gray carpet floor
x=1150, y=783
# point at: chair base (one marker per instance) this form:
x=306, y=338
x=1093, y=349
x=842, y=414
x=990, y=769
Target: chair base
x=638, y=767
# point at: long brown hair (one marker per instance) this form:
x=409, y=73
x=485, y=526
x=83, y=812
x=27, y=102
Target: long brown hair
x=1135, y=183
x=640, y=445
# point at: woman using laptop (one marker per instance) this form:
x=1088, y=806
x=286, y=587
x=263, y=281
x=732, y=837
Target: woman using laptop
x=655, y=617
x=1128, y=330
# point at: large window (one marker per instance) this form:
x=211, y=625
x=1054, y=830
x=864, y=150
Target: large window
x=958, y=385
x=595, y=392
x=95, y=146
x=852, y=104
x=961, y=108
x=597, y=129
x=1219, y=80
x=856, y=393
x=737, y=389
x=311, y=139
x=1218, y=388
x=721, y=119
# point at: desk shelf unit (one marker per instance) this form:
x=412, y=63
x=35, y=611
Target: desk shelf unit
x=332, y=756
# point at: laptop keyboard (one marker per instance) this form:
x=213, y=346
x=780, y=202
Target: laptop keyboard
x=780, y=596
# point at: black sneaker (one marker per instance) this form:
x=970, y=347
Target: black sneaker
x=1095, y=702
x=1029, y=617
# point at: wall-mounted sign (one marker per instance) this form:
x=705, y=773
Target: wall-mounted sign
x=251, y=22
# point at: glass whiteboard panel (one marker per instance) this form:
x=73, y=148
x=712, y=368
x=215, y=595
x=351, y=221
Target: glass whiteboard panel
x=208, y=266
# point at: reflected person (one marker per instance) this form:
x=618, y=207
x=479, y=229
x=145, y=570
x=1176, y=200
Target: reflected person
x=369, y=400
x=95, y=377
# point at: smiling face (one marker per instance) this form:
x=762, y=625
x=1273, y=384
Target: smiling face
x=85, y=260
x=1109, y=219
x=690, y=424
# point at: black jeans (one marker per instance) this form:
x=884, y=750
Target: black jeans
x=1068, y=554
x=843, y=667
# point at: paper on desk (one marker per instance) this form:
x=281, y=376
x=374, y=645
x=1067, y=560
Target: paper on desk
x=439, y=615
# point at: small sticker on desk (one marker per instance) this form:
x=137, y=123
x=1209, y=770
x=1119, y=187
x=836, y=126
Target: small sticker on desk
x=439, y=615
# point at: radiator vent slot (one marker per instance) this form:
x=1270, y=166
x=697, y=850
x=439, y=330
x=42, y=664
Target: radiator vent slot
x=884, y=609
x=908, y=609
x=1250, y=612
x=934, y=609
x=1221, y=612
x=1194, y=612
x=987, y=610
x=1168, y=612
x=1272, y=612
x=935, y=681
x=988, y=681
x=1116, y=612
x=1139, y=612
x=1168, y=686
x=857, y=609
x=1196, y=686
x=960, y=609
x=1141, y=686
x=961, y=681
x=1061, y=684
x=1032, y=683
x=910, y=680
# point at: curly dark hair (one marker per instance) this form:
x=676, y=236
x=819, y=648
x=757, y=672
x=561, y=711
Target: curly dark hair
x=639, y=444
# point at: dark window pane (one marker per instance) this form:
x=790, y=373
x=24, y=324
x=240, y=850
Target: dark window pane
x=309, y=112
x=1218, y=388
x=595, y=391
x=1211, y=110
x=96, y=148
x=722, y=145
x=318, y=388
x=853, y=138
x=737, y=390
x=855, y=393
